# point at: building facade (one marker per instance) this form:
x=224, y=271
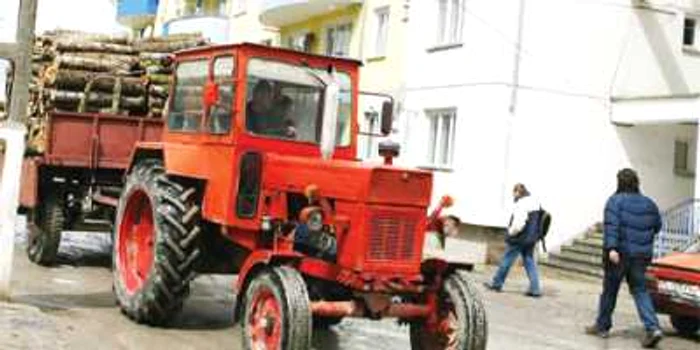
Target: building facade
x=557, y=94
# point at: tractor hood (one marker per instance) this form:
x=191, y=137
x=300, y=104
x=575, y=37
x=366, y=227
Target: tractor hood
x=349, y=180
x=681, y=261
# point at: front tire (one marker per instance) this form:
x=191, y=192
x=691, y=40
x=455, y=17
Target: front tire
x=155, y=245
x=461, y=319
x=685, y=325
x=45, y=234
x=277, y=311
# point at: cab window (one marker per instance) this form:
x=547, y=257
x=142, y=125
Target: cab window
x=187, y=108
x=220, y=114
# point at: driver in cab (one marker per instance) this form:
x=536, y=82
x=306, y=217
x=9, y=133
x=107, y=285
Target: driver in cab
x=267, y=115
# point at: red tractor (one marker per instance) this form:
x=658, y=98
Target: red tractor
x=257, y=174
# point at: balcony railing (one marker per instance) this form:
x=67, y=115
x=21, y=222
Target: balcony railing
x=681, y=229
x=279, y=13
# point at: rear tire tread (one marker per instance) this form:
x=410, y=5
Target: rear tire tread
x=167, y=285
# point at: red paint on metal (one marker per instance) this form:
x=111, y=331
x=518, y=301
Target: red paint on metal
x=136, y=238
x=357, y=308
x=265, y=320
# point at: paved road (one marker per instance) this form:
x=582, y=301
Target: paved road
x=72, y=307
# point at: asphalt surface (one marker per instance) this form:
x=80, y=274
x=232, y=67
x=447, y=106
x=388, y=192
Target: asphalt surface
x=72, y=307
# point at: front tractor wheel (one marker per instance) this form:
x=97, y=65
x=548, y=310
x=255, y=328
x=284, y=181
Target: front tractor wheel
x=155, y=245
x=460, y=322
x=277, y=311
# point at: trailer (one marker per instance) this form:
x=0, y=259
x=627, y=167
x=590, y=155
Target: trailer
x=75, y=184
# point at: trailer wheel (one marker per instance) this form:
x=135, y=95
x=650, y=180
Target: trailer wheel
x=155, y=246
x=45, y=234
x=460, y=322
x=277, y=311
x=685, y=325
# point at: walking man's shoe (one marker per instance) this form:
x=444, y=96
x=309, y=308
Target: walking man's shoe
x=594, y=330
x=533, y=295
x=652, y=338
x=491, y=287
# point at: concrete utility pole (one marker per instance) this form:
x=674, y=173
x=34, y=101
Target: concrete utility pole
x=12, y=132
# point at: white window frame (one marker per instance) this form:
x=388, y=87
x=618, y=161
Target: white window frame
x=335, y=27
x=449, y=22
x=382, y=15
x=684, y=169
x=437, y=137
x=300, y=35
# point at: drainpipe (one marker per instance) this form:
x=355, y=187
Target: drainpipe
x=513, y=103
x=12, y=132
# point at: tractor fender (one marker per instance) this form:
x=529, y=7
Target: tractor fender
x=256, y=261
x=444, y=267
x=145, y=150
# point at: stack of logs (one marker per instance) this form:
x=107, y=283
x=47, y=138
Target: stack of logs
x=89, y=73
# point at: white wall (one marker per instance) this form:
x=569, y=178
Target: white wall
x=559, y=140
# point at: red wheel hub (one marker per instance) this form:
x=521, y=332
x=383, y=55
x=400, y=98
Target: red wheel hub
x=441, y=331
x=265, y=321
x=135, y=241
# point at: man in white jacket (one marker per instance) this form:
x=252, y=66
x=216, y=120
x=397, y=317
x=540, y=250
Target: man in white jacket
x=525, y=204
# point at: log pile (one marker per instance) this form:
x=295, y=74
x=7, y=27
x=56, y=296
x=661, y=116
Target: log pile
x=82, y=72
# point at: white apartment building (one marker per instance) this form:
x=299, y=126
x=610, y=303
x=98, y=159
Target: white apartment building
x=557, y=94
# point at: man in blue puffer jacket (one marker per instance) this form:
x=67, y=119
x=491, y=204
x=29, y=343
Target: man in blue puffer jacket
x=631, y=221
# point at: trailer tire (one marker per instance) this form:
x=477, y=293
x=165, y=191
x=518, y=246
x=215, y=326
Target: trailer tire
x=685, y=325
x=44, y=235
x=277, y=311
x=461, y=320
x=155, y=246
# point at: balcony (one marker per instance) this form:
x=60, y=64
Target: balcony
x=136, y=14
x=280, y=13
x=214, y=28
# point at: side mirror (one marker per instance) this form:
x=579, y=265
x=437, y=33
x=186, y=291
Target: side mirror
x=211, y=94
x=387, y=117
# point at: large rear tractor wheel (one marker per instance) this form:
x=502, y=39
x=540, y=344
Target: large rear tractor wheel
x=277, y=311
x=685, y=325
x=155, y=245
x=460, y=320
x=45, y=234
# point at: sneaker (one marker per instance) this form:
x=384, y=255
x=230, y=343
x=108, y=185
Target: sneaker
x=652, y=338
x=533, y=295
x=594, y=330
x=491, y=287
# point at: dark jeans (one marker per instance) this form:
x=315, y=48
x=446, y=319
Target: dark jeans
x=633, y=270
x=512, y=252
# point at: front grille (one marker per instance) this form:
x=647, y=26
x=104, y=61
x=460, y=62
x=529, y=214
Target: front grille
x=392, y=236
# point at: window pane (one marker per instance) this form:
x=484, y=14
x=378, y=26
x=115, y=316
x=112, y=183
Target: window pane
x=455, y=21
x=432, y=138
x=689, y=31
x=382, y=31
x=186, y=111
x=285, y=101
x=442, y=21
x=220, y=115
x=445, y=134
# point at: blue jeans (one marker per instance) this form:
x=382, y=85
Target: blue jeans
x=511, y=253
x=633, y=270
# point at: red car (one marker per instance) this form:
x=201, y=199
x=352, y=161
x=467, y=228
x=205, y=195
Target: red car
x=674, y=284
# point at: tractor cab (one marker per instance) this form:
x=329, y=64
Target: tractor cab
x=267, y=98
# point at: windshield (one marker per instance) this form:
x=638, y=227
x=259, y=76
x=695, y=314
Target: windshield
x=286, y=101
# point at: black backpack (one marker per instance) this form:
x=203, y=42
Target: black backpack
x=545, y=221
x=536, y=229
